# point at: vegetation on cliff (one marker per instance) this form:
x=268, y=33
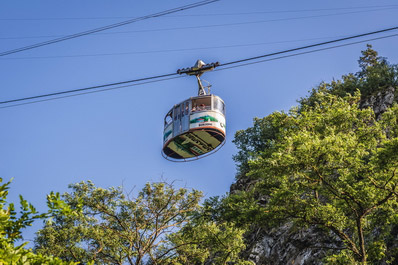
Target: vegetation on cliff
x=327, y=163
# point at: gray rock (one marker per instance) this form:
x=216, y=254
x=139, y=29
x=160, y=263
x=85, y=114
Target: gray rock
x=380, y=102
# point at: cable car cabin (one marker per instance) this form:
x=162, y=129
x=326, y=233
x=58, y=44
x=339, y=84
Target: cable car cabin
x=194, y=127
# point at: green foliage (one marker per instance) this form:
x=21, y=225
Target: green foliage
x=11, y=224
x=9, y=254
x=375, y=75
x=257, y=139
x=219, y=243
x=328, y=164
x=344, y=257
x=241, y=209
x=333, y=165
x=108, y=227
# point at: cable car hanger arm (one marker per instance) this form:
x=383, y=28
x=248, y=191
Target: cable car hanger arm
x=197, y=70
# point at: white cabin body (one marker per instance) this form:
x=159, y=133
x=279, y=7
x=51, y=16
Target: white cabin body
x=194, y=127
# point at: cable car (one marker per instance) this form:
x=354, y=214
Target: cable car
x=196, y=126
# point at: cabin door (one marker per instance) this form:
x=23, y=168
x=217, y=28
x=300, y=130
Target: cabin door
x=185, y=113
x=176, y=120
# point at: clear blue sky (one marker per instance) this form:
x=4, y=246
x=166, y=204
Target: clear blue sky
x=114, y=138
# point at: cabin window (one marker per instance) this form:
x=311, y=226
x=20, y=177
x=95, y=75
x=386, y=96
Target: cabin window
x=222, y=107
x=184, y=108
x=176, y=113
x=187, y=108
x=201, y=104
x=168, y=119
x=218, y=105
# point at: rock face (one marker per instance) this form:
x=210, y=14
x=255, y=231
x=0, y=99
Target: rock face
x=380, y=102
x=286, y=245
x=282, y=246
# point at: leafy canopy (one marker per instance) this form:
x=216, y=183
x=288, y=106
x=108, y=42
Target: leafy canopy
x=334, y=166
x=159, y=226
x=11, y=225
x=329, y=164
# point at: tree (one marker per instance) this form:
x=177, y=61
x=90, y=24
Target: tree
x=11, y=225
x=328, y=163
x=217, y=243
x=108, y=227
x=334, y=166
x=376, y=74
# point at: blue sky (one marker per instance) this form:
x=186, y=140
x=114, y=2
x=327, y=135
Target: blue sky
x=115, y=137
